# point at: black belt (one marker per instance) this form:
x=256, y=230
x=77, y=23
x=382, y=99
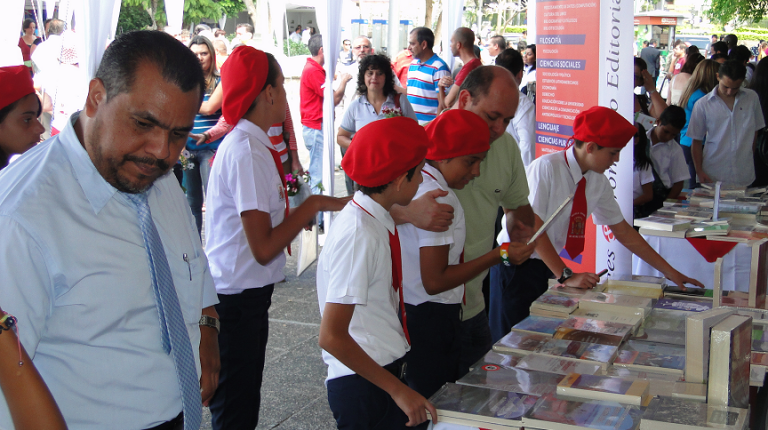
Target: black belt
x=174, y=424
x=397, y=368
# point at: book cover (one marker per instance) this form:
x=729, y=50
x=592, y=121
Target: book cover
x=553, y=413
x=654, y=282
x=568, y=333
x=662, y=223
x=669, y=413
x=729, y=357
x=480, y=405
x=597, y=326
x=560, y=366
x=508, y=359
x=680, y=234
x=697, y=333
x=663, y=326
x=631, y=320
x=515, y=380
x=556, y=302
x=656, y=356
x=575, y=350
x=756, y=376
x=683, y=305
x=759, y=358
x=628, y=290
x=521, y=343
x=594, y=301
x=705, y=230
x=538, y=325
x=759, y=338
x=593, y=387
x=645, y=374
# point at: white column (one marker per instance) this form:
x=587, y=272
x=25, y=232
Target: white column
x=453, y=11
x=13, y=11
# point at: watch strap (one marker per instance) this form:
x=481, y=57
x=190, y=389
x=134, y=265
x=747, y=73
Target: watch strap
x=209, y=321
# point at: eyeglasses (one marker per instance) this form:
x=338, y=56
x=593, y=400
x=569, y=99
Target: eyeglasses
x=362, y=46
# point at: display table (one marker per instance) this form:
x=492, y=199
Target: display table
x=738, y=264
x=446, y=426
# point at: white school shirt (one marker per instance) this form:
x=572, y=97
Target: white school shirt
x=243, y=178
x=355, y=268
x=551, y=181
x=412, y=238
x=640, y=178
x=523, y=129
x=669, y=161
x=727, y=154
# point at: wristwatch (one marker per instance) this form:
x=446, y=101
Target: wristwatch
x=209, y=321
x=567, y=273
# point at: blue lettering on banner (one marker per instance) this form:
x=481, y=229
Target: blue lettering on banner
x=551, y=140
x=561, y=39
x=563, y=130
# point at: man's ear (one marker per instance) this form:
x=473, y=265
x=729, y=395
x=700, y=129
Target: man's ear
x=97, y=95
x=464, y=99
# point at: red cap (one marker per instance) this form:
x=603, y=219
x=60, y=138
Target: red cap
x=603, y=126
x=15, y=83
x=455, y=133
x=383, y=150
x=243, y=76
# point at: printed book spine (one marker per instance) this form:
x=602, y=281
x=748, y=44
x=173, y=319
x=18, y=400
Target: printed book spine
x=729, y=358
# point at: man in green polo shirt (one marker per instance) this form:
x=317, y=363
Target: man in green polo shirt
x=490, y=92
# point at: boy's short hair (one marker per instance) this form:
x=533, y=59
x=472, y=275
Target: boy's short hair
x=740, y=53
x=511, y=60
x=674, y=116
x=380, y=189
x=720, y=47
x=733, y=69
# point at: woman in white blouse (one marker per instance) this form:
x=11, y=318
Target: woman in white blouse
x=680, y=81
x=378, y=100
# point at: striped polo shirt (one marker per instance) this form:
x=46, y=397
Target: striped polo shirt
x=422, y=86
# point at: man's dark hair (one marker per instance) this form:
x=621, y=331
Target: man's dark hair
x=715, y=36
x=645, y=44
x=219, y=32
x=499, y=41
x=691, y=61
x=733, y=69
x=639, y=62
x=679, y=43
x=314, y=44
x=693, y=49
x=246, y=26
x=642, y=158
x=718, y=56
x=381, y=63
x=176, y=63
x=380, y=189
x=741, y=53
x=720, y=48
x=199, y=28
x=674, y=116
x=476, y=50
x=652, y=42
x=423, y=34
x=759, y=84
x=731, y=39
x=298, y=27
x=478, y=82
x=56, y=27
x=511, y=60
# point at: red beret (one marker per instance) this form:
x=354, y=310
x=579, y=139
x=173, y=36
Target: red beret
x=455, y=133
x=603, y=126
x=243, y=76
x=385, y=149
x=15, y=83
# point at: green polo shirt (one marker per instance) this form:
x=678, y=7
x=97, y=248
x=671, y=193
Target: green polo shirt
x=502, y=182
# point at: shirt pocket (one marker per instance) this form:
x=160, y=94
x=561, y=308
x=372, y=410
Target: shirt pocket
x=188, y=271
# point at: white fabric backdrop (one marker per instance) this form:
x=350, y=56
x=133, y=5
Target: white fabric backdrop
x=453, y=11
x=50, y=6
x=10, y=54
x=174, y=11
x=96, y=29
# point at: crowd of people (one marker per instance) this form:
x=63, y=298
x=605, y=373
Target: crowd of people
x=131, y=323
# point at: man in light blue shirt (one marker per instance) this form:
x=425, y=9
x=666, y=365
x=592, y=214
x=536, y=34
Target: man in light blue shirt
x=75, y=267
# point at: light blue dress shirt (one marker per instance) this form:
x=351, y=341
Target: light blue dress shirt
x=76, y=275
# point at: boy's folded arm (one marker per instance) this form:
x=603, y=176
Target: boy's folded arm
x=438, y=276
x=335, y=339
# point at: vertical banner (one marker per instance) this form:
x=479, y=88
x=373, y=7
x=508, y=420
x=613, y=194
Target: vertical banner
x=13, y=11
x=453, y=12
x=567, y=68
x=616, y=73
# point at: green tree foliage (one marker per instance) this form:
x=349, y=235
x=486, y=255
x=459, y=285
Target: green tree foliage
x=133, y=18
x=296, y=48
x=724, y=11
x=194, y=10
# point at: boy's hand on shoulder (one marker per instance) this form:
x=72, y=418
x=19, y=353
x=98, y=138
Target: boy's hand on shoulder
x=414, y=405
x=428, y=214
x=584, y=281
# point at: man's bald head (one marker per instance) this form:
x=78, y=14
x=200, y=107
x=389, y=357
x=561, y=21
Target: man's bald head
x=361, y=47
x=490, y=92
x=464, y=36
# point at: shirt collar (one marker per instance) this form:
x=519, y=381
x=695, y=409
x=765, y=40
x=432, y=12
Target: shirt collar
x=96, y=189
x=252, y=129
x=390, y=99
x=573, y=165
x=314, y=64
x=713, y=94
x=375, y=210
x=435, y=173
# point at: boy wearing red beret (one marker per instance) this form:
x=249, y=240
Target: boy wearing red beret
x=599, y=135
x=434, y=271
x=20, y=107
x=359, y=283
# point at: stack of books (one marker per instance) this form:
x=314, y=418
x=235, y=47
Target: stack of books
x=555, y=305
x=635, y=285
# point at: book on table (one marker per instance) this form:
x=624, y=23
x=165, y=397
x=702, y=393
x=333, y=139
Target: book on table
x=709, y=231
x=663, y=326
x=694, y=214
x=663, y=384
x=594, y=301
x=676, y=304
x=481, y=407
x=508, y=359
x=729, y=362
x=520, y=343
x=662, y=223
x=656, y=357
x=534, y=324
x=581, y=351
x=643, y=281
x=645, y=231
x=560, y=366
x=633, y=291
x=698, y=327
x=676, y=414
x=598, y=326
x=552, y=413
x=606, y=388
x=553, y=301
x=515, y=380
x=614, y=317
x=568, y=333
